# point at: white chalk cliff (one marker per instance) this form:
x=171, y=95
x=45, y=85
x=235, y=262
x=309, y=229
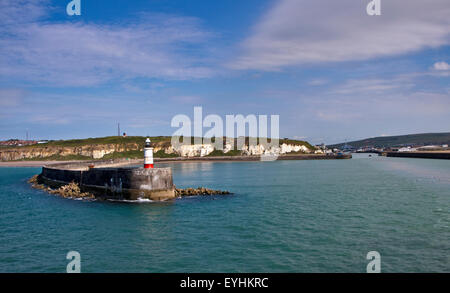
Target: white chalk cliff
x=201, y=150
x=99, y=151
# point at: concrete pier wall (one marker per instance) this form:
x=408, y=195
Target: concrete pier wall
x=423, y=155
x=255, y=158
x=118, y=183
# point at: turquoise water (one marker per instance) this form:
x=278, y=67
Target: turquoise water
x=285, y=216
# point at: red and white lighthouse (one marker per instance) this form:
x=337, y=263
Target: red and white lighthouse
x=148, y=154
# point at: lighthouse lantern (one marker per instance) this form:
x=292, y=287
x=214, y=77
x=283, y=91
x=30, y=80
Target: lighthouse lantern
x=148, y=154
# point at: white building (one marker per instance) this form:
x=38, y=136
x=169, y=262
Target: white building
x=407, y=149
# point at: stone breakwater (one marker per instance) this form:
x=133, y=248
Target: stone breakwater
x=73, y=190
x=100, y=179
x=443, y=155
x=199, y=191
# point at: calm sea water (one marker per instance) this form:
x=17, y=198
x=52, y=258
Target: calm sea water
x=285, y=216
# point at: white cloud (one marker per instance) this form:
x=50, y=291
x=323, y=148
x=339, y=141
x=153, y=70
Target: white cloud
x=84, y=54
x=441, y=66
x=331, y=115
x=56, y=119
x=184, y=99
x=299, y=137
x=11, y=97
x=399, y=107
x=297, y=32
x=19, y=12
x=397, y=98
x=317, y=82
x=372, y=86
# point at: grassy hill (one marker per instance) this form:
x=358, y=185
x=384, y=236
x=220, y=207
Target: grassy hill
x=400, y=140
x=102, y=141
x=157, y=140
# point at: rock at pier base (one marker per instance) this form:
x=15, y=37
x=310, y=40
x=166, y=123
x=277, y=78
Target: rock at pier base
x=70, y=190
x=179, y=192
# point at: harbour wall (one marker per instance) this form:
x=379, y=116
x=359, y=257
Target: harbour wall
x=423, y=155
x=255, y=158
x=117, y=183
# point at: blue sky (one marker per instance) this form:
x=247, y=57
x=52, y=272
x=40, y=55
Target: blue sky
x=329, y=70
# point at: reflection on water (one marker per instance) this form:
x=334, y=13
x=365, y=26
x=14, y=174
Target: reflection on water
x=186, y=167
x=431, y=170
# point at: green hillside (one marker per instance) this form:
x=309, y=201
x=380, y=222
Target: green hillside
x=399, y=140
x=102, y=141
x=157, y=140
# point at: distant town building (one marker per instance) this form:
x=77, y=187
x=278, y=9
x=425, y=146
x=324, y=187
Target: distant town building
x=431, y=148
x=17, y=142
x=348, y=148
x=407, y=149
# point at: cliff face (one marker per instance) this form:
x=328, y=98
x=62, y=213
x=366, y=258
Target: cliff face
x=99, y=151
x=92, y=151
x=201, y=150
x=274, y=150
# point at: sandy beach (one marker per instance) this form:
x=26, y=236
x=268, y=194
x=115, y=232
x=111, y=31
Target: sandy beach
x=30, y=163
